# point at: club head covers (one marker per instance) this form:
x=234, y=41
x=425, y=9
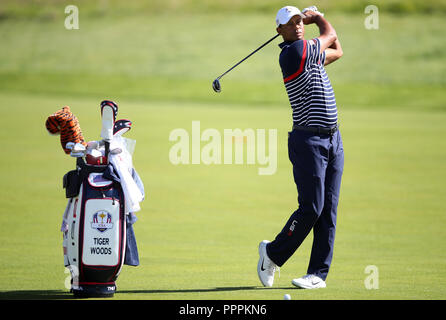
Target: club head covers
x=111, y=104
x=109, y=110
x=121, y=127
x=65, y=123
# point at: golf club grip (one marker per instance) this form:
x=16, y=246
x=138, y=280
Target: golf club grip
x=249, y=55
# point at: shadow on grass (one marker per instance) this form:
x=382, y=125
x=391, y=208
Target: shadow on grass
x=35, y=295
x=217, y=289
x=63, y=295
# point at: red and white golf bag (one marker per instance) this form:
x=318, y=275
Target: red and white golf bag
x=103, y=193
x=95, y=231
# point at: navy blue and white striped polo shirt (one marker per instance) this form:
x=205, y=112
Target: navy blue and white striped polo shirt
x=308, y=87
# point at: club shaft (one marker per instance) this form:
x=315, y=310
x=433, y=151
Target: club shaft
x=249, y=55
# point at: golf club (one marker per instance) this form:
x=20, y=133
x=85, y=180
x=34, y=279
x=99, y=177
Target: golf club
x=216, y=83
x=109, y=110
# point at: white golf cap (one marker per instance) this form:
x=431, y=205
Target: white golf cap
x=284, y=14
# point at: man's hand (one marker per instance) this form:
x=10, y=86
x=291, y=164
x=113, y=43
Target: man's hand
x=327, y=33
x=310, y=16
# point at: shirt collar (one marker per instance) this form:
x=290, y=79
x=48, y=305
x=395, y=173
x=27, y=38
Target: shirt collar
x=285, y=43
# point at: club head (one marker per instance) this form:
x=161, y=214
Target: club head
x=216, y=85
x=70, y=145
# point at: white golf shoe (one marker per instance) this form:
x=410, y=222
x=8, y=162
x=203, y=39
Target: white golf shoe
x=265, y=267
x=309, y=281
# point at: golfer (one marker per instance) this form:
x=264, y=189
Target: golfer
x=314, y=147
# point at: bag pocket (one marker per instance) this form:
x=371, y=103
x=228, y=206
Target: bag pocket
x=72, y=183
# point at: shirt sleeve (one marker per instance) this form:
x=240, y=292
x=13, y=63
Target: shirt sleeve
x=314, y=55
x=292, y=59
x=322, y=59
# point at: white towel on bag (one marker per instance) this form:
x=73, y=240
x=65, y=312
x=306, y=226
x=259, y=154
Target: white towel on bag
x=124, y=167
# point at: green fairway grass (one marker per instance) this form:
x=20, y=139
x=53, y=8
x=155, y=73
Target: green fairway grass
x=200, y=225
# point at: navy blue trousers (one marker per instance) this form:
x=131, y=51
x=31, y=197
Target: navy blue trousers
x=318, y=163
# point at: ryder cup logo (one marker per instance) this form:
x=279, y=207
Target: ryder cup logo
x=102, y=221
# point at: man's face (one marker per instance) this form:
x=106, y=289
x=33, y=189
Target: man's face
x=293, y=30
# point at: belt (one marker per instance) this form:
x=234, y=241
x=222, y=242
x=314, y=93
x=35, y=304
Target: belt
x=319, y=130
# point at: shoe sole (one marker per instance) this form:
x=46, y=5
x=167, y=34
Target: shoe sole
x=319, y=285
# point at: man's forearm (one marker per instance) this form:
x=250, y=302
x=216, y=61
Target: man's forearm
x=336, y=45
x=333, y=53
x=328, y=34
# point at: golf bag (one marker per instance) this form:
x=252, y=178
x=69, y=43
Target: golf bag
x=103, y=194
x=94, y=230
